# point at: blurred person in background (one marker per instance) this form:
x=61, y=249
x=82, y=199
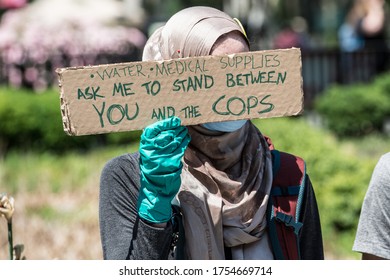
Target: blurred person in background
x=364, y=28
x=217, y=176
x=373, y=232
x=293, y=34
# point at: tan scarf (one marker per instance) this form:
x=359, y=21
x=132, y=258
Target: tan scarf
x=227, y=177
x=225, y=188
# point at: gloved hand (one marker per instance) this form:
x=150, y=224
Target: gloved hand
x=162, y=147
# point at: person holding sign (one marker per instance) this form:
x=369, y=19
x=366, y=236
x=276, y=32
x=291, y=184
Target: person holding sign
x=203, y=191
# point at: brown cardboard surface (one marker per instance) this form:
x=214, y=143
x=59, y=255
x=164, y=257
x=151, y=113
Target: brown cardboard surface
x=130, y=96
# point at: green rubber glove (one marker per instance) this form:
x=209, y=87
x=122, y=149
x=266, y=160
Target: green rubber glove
x=162, y=148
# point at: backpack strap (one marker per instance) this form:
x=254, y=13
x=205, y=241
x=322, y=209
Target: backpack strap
x=285, y=202
x=178, y=238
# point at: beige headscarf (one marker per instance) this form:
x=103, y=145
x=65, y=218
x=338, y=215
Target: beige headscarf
x=226, y=177
x=190, y=32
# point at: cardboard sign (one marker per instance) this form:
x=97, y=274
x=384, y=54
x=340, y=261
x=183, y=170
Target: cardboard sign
x=130, y=96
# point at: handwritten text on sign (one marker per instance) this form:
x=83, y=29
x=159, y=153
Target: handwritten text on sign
x=130, y=96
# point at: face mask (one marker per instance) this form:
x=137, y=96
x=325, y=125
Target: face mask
x=228, y=126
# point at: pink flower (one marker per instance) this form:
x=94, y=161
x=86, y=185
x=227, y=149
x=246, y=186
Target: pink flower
x=12, y=4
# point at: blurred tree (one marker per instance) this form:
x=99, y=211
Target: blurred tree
x=164, y=9
x=45, y=35
x=159, y=11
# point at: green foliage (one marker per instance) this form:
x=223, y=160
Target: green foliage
x=356, y=110
x=339, y=176
x=33, y=121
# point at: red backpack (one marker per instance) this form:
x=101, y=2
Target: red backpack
x=285, y=202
